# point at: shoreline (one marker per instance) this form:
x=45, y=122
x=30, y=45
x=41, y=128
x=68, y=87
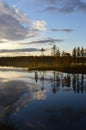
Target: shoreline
x=81, y=70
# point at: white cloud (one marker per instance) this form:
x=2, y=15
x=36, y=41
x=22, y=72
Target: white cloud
x=14, y=12
x=15, y=25
x=4, y=40
x=39, y=25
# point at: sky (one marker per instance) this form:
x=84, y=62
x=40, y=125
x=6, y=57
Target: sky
x=26, y=26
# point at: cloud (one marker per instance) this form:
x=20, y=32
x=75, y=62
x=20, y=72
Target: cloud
x=39, y=25
x=48, y=40
x=11, y=29
x=73, y=6
x=3, y=40
x=11, y=102
x=50, y=9
x=19, y=50
x=15, y=25
x=10, y=23
x=65, y=6
x=62, y=30
x=48, y=1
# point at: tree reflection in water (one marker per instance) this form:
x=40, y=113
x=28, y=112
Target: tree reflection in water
x=75, y=81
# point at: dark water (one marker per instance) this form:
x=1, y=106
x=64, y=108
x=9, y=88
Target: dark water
x=42, y=100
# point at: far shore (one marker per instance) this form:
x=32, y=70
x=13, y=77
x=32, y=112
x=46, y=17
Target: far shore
x=64, y=64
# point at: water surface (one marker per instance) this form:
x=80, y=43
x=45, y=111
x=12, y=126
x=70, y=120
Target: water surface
x=42, y=100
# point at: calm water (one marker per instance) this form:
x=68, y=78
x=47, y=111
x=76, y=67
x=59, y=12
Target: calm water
x=42, y=100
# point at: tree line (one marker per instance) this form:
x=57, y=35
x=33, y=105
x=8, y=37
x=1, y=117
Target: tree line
x=76, y=52
x=79, y=52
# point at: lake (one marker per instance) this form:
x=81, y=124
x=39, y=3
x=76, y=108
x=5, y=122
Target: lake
x=42, y=100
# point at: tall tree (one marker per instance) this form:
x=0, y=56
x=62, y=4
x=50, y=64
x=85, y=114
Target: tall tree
x=42, y=51
x=58, y=52
x=74, y=52
x=63, y=53
x=82, y=52
x=78, y=51
x=53, y=50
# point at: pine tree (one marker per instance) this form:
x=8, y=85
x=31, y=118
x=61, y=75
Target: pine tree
x=74, y=52
x=53, y=50
x=78, y=51
x=82, y=52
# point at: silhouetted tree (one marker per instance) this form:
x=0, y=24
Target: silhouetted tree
x=82, y=52
x=54, y=50
x=78, y=51
x=74, y=52
x=58, y=52
x=42, y=51
x=63, y=53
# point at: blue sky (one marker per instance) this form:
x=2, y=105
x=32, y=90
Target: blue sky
x=28, y=25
